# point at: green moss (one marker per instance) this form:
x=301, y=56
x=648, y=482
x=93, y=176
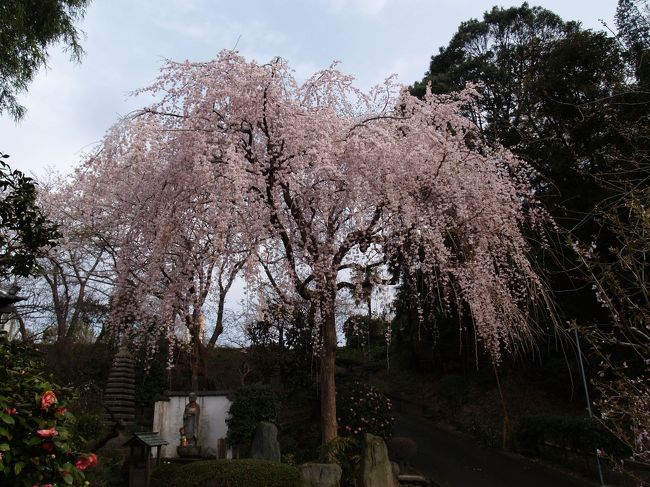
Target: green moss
x=226, y=473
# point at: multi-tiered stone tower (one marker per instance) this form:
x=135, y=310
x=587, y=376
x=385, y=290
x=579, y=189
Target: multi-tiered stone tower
x=119, y=397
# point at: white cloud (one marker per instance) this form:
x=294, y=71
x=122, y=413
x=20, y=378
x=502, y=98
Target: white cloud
x=369, y=8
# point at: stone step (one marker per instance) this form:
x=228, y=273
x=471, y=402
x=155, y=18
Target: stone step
x=412, y=480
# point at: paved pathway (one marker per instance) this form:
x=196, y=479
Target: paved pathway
x=453, y=460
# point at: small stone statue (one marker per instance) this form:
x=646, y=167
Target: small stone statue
x=191, y=421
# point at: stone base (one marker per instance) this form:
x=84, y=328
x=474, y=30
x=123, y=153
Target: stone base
x=115, y=446
x=320, y=475
x=188, y=451
x=413, y=480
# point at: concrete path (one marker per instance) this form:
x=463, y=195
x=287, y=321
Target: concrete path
x=452, y=460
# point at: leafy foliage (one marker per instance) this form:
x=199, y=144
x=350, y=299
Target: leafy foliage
x=618, y=278
x=361, y=331
x=29, y=28
x=25, y=233
x=251, y=404
x=363, y=409
x=634, y=32
x=345, y=451
x=90, y=426
x=36, y=438
x=579, y=434
x=226, y=473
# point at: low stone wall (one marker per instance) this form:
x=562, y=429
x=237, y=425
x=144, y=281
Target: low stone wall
x=168, y=419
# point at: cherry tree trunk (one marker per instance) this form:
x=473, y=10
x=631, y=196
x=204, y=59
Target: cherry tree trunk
x=196, y=360
x=327, y=376
x=218, y=327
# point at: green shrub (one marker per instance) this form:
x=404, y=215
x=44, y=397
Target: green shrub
x=454, y=389
x=361, y=331
x=251, y=404
x=578, y=434
x=90, y=427
x=112, y=471
x=37, y=444
x=346, y=452
x=226, y=473
x=362, y=409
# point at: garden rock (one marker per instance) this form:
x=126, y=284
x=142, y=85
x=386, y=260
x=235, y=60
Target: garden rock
x=320, y=475
x=402, y=450
x=376, y=468
x=265, y=443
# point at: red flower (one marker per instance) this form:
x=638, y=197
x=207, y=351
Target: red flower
x=84, y=462
x=10, y=411
x=48, y=433
x=48, y=446
x=48, y=400
x=61, y=411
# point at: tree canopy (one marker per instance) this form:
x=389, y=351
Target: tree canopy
x=543, y=85
x=25, y=233
x=318, y=179
x=573, y=103
x=29, y=29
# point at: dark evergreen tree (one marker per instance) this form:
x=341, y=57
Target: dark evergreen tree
x=28, y=29
x=25, y=233
x=633, y=28
x=557, y=96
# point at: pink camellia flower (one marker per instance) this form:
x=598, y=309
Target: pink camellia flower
x=10, y=411
x=48, y=433
x=84, y=462
x=48, y=446
x=48, y=400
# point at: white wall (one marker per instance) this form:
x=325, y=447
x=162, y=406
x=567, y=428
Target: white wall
x=168, y=419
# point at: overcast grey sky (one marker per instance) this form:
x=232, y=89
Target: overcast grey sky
x=71, y=106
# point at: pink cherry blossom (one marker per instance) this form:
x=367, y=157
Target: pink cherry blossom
x=239, y=166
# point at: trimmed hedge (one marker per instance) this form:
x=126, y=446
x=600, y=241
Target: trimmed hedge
x=576, y=434
x=226, y=473
x=251, y=404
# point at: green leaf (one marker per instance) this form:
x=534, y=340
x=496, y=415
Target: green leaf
x=7, y=419
x=18, y=467
x=4, y=447
x=67, y=478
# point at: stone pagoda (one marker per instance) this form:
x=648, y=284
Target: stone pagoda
x=119, y=397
